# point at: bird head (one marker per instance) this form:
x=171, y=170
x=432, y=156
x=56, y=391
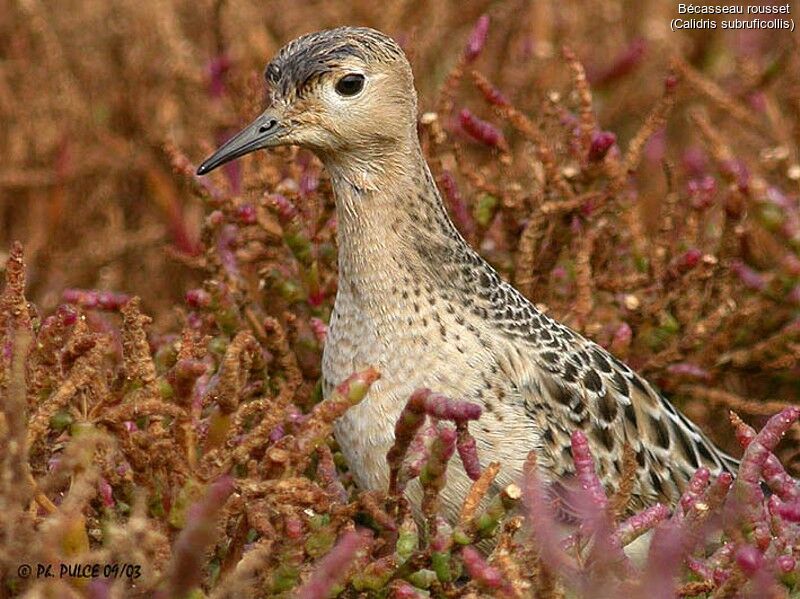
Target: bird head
x=340, y=92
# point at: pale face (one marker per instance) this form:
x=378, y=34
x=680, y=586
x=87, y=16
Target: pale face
x=350, y=106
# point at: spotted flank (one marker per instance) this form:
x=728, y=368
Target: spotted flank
x=564, y=382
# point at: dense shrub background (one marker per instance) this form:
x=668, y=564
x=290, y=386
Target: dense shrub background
x=639, y=183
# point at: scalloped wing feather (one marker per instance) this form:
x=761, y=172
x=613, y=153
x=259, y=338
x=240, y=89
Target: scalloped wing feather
x=566, y=382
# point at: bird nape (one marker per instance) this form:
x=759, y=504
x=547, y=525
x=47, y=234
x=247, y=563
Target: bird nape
x=416, y=302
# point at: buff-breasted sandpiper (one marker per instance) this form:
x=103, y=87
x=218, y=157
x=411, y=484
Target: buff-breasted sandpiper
x=418, y=303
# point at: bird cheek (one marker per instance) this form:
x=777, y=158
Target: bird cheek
x=312, y=137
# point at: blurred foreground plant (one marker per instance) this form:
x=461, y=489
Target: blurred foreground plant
x=193, y=465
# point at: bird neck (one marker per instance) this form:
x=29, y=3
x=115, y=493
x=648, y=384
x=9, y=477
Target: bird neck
x=387, y=208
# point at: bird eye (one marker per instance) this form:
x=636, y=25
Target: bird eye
x=350, y=85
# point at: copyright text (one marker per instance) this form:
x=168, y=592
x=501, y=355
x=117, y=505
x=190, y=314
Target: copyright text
x=80, y=570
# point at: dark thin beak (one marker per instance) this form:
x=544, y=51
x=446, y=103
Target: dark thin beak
x=261, y=133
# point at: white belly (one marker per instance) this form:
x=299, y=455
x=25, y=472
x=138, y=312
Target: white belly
x=409, y=357
x=406, y=363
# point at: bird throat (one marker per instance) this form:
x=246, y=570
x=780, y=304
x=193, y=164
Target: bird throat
x=386, y=210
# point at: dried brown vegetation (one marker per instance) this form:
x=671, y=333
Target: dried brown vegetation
x=640, y=184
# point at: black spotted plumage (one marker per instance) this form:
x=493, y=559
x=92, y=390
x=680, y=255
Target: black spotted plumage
x=588, y=386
